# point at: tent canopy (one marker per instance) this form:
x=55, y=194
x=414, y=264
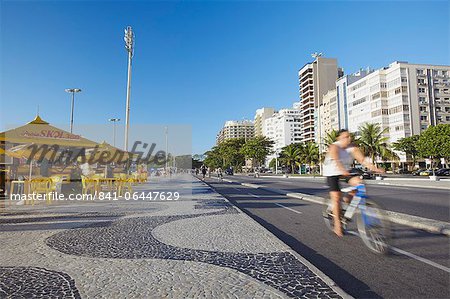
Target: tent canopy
x=39, y=131
x=108, y=153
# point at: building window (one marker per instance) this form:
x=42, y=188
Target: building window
x=423, y=117
x=421, y=89
x=419, y=72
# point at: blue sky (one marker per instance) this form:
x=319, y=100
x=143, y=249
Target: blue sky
x=196, y=63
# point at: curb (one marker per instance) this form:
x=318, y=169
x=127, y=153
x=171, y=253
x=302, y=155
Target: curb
x=412, y=186
x=429, y=225
x=373, y=182
x=313, y=268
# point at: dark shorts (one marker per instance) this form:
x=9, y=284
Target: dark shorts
x=334, y=181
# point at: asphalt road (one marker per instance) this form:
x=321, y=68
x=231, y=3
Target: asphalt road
x=422, y=202
x=347, y=261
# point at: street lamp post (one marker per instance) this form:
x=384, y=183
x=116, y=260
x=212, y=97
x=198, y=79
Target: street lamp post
x=276, y=161
x=114, y=120
x=129, y=46
x=73, y=91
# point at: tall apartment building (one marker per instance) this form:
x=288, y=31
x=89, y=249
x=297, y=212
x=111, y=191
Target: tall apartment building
x=284, y=128
x=315, y=79
x=403, y=98
x=341, y=94
x=329, y=116
x=236, y=129
x=260, y=116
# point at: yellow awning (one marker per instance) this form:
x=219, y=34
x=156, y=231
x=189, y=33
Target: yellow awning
x=39, y=131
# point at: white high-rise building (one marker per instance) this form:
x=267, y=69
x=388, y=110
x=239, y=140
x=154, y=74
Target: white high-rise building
x=403, y=98
x=341, y=94
x=328, y=110
x=284, y=128
x=236, y=129
x=315, y=79
x=260, y=116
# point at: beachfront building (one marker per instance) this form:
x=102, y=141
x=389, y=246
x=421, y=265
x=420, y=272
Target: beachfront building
x=328, y=111
x=403, y=98
x=315, y=79
x=284, y=128
x=236, y=129
x=260, y=116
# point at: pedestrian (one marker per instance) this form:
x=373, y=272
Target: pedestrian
x=203, y=169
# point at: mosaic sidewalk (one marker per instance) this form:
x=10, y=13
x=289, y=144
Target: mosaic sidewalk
x=199, y=246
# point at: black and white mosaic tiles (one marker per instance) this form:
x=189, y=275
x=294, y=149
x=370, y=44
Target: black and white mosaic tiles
x=29, y=282
x=131, y=238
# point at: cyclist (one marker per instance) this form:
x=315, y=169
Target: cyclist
x=337, y=165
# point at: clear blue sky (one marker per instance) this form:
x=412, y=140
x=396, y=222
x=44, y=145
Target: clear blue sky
x=197, y=63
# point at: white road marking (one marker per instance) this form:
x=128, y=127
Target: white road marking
x=254, y=195
x=295, y=211
x=411, y=255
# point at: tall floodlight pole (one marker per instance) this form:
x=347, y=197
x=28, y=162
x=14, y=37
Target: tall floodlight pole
x=73, y=91
x=167, y=149
x=319, y=125
x=129, y=46
x=114, y=120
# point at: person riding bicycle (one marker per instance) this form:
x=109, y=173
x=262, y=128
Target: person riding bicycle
x=337, y=165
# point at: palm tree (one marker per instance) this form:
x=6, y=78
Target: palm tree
x=292, y=155
x=311, y=154
x=373, y=143
x=331, y=137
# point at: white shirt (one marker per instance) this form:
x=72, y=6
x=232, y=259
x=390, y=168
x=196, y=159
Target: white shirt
x=330, y=167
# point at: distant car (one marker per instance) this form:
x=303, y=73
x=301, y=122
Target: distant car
x=366, y=175
x=229, y=171
x=443, y=172
x=427, y=172
x=417, y=172
x=269, y=171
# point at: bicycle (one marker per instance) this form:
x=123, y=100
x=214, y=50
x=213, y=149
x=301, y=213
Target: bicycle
x=372, y=222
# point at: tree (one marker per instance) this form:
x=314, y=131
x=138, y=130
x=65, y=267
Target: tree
x=257, y=148
x=373, y=143
x=331, y=137
x=434, y=142
x=231, y=152
x=213, y=158
x=292, y=155
x=311, y=154
x=272, y=163
x=408, y=145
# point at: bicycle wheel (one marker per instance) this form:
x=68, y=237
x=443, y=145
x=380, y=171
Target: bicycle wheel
x=373, y=227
